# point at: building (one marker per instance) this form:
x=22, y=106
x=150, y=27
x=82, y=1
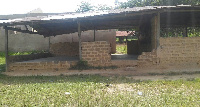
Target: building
x=153, y=46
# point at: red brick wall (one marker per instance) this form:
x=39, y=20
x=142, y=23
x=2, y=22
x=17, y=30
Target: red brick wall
x=33, y=66
x=65, y=49
x=97, y=53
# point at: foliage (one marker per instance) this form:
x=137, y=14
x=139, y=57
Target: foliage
x=94, y=90
x=121, y=49
x=81, y=65
x=85, y=6
x=103, y=7
x=2, y=62
x=179, y=32
x=140, y=3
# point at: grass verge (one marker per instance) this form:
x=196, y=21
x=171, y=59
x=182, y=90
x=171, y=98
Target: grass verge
x=95, y=90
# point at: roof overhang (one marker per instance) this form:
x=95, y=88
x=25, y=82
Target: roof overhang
x=115, y=19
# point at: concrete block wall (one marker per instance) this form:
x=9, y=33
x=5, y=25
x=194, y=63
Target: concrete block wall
x=97, y=53
x=183, y=51
x=65, y=49
x=35, y=66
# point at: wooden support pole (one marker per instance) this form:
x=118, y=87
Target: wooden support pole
x=158, y=30
x=186, y=32
x=94, y=34
x=6, y=48
x=49, y=42
x=79, y=35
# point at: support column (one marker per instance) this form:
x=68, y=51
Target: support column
x=94, y=34
x=158, y=30
x=155, y=31
x=49, y=42
x=6, y=48
x=79, y=35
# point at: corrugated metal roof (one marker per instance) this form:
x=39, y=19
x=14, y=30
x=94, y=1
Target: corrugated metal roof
x=100, y=20
x=86, y=14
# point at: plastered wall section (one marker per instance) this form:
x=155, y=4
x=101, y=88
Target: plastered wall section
x=88, y=36
x=96, y=53
x=20, y=42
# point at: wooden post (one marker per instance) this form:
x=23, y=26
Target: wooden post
x=6, y=48
x=158, y=30
x=49, y=42
x=94, y=34
x=79, y=35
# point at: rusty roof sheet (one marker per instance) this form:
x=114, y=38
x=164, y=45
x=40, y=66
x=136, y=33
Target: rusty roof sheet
x=100, y=20
x=85, y=14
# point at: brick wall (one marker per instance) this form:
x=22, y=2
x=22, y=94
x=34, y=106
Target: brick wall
x=96, y=53
x=179, y=51
x=147, y=59
x=65, y=49
x=34, y=66
x=173, y=51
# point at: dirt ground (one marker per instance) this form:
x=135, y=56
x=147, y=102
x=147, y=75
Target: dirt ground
x=129, y=72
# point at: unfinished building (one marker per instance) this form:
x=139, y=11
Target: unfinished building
x=156, y=44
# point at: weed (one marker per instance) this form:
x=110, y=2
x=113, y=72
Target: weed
x=121, y=49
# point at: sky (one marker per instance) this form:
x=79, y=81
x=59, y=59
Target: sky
x=47, y=6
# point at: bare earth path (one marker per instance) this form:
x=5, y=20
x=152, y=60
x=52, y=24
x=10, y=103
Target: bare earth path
x=128, y=72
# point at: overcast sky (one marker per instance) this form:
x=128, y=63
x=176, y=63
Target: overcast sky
x=47, y=6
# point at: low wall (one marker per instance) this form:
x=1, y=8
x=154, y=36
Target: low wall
x=19, y=58
x=36, y=66
x=65, y=49
x=173, y=51
x=97, y=53
x=148, y=59
x=183, y=51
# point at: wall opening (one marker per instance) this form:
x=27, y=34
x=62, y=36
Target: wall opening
x=126, y=44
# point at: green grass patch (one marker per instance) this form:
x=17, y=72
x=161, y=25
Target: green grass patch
x=121, y=49
x=95, y=90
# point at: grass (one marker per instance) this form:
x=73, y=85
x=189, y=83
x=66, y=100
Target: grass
x=121, y=49
x=2, y=62
x=95, y=90
x=87, y=90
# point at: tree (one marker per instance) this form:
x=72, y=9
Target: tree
x=84, y=7
x=103, y=7
x=140, y=3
